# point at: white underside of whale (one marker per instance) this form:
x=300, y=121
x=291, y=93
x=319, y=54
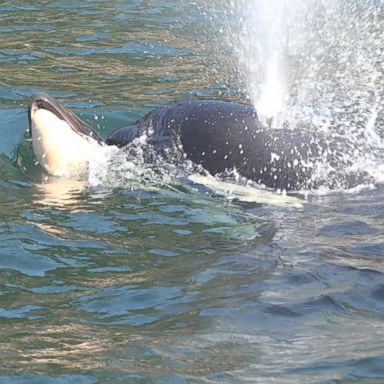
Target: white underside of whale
x=58, y=149
x=245, y=193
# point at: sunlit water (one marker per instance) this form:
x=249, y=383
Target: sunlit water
x=121, y=280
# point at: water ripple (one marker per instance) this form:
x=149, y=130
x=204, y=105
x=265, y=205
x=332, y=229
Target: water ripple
x=111, y=283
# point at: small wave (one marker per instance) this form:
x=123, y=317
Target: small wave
x=137, y=166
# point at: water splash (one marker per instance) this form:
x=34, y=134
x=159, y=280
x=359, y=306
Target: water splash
x=140, y=165
x=306, y=52
x=260, y=49
x=315, y=65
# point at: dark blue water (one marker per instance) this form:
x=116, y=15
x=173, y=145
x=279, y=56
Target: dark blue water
x=109, y=283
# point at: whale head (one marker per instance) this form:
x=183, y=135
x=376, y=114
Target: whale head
x=63, y=144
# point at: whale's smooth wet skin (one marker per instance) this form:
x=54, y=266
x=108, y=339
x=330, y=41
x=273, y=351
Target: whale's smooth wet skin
x=217, y=135
x=62, y=142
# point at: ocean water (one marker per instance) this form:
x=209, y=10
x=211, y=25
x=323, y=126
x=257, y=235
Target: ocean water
x=109, y=280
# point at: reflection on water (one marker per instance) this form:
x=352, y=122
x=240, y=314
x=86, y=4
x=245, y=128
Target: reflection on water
x=113, y=262
x=108, y=283
x=59, y=192
x=139, y=55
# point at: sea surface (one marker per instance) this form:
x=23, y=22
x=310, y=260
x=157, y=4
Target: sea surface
x=108, y=280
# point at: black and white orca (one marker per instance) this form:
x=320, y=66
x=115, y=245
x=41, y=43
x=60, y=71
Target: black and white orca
x=218, y=135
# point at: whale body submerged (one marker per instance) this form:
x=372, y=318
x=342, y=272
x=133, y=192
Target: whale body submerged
x=218, y=135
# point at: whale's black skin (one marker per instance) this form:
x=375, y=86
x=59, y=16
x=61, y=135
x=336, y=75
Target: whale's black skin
x=223, y=135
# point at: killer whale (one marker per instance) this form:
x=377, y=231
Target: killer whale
x=218, y=135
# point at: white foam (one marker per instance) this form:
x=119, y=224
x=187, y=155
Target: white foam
x=130, y=167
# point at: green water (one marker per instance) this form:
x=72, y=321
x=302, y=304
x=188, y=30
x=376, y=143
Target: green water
x=114, y=284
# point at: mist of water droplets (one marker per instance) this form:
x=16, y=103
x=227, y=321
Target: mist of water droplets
x=315, y=64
